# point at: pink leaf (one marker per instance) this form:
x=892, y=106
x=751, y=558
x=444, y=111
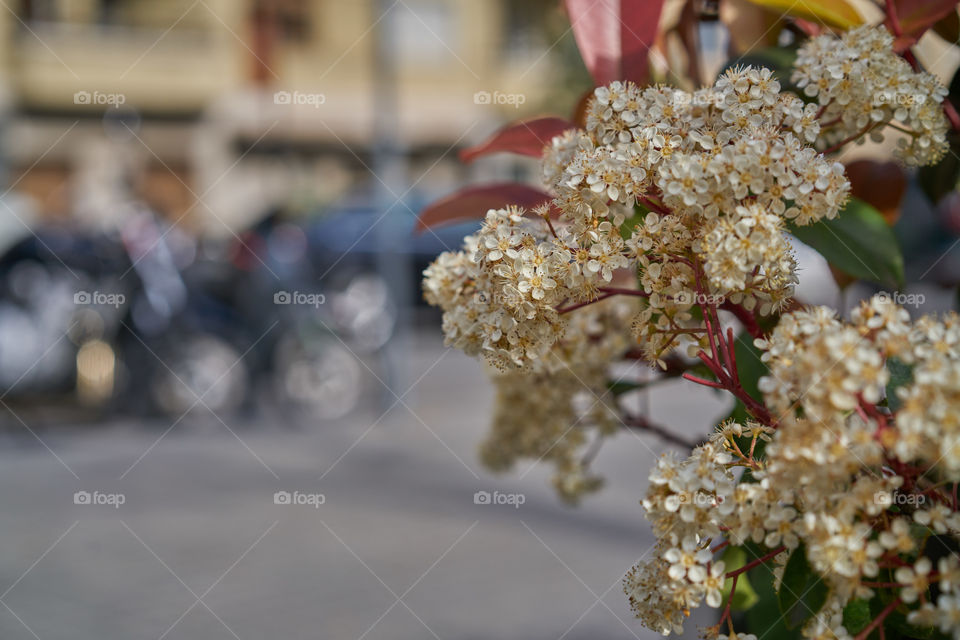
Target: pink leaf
x=916, y=16
x=615, y=37
x=527, y=138
x=472, y=203
x=810, y=28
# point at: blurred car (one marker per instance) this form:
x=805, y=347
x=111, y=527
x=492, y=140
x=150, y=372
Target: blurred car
x=351, y=239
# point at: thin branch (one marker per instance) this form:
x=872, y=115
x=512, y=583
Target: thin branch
x=624, y=292
x=642, y=423
x=878, y=620
x=746, y=318
x=757, y=562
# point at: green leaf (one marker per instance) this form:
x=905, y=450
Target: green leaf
x=802, y=592
x=750, y=367
x=764, y=618
x=900, y=374
x=856, y=615
x=858, y=242
x=745, y=596
x=627, y=228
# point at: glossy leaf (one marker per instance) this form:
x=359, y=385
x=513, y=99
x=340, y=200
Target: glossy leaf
x=802, y=592
x=836, y=13
x=856, y=615
x=916, y=16
x=527, y=138
x=615, y=37
x=901, y=373
x=472, y=203
x=858, y=242
x=764, y=618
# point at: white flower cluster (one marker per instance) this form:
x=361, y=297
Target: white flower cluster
x=550, y=415
x=716, y=174
x=722, y=169
x=822, y=369
x=499, y=294
x=862, y=86
x=686, y=504
x=866, y=489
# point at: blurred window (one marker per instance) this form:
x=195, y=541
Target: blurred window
x=425, y=32
x=121, y=13
x=110, y=11
x=524, y=25
x=290, y=18
x=40, y=10
x=293, y=20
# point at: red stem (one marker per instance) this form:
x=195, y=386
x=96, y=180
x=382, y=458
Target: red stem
x=879, y=619
x=731, y=348
x=747, y=319
x=649, y=204
x=624, y=292
x=758, y=561
x=851, y=138
x=706, y=383
x=580, y=305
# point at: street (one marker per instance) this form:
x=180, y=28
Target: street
x=178, y=532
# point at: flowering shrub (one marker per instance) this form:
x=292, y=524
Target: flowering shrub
x=667, y=225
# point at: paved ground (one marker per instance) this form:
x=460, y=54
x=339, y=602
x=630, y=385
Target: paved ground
x=398, y=550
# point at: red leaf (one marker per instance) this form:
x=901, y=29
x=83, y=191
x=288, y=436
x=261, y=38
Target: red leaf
x=472, y=203
x=916, y=16
x=527, y=138
x=615, y=37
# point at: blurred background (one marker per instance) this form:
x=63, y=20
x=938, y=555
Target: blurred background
x=224, y=410
x=192, y=173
